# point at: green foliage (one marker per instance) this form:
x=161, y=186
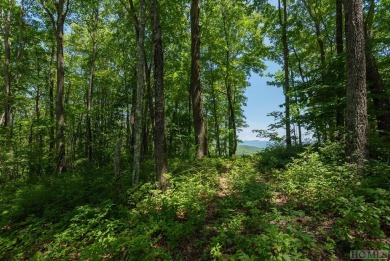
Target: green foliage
x=326, y=188
x=309, y=181
x=277, y=156
x=316, y=208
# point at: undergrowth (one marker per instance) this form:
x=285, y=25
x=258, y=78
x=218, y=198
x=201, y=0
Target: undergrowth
x=308, y=206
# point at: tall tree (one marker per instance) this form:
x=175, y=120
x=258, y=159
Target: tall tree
x=58, y=21
x=339, y=50
x=283, y=24
x=93, y=32
x=356, y=113
x=339, y=26
x=140, y=89
x=159, y=126
x=375, y=82
x=197, y=106
x=229, y=92
x=6, y=27
x=317, y=26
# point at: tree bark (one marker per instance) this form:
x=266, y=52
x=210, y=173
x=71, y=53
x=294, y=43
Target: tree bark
x=197, y=107
x=95, y=18
x=232, y=120
x=51, y=102
x=283, y=24
x=6, y=17
x=380, y=97
x=160, y=143
x=356, y=113
x=375, y=83
x=215, y=114
x=62, y=7
x=339, y=50
x=139, y=93
x=339, y=27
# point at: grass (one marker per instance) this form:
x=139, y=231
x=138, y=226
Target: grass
x=215, y=209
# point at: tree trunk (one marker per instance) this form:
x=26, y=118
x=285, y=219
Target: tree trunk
x=339, y=27
x=6, y=17
x=340, y=50
x=283, y=24
x=380, y=97
x=62, y=7
x=232, y=120
x=298, y=120
x=95, y=18
x=356, y=113
x=149, y=95
x=375, y=82
x=117, y=170
x=159, y=126
x=61, y=165
x=197, y=107
x=139, y=94
x=51, y=103
x=215, y=114
x=320, y=41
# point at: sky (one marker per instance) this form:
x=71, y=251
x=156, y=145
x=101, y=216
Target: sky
x=262, y=99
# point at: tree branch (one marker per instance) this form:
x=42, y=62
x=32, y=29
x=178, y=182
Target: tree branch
x=51, y=16
x=66, y=8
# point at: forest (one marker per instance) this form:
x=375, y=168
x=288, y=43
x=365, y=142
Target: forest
x=120, y=122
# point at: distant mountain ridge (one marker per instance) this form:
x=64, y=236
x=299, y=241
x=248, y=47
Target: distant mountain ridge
x=246, y=150
x=262, y=144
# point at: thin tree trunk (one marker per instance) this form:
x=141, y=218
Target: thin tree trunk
x=283, y=23
x=148, y=72
x=139, y=94
x=380, y=97
x=189, y=107
x=51, y=103
x=317, y=28
x=20, y=43
x=128, y=125
x=61, y=165
x=197, y=107
x=6, y=24
x=147, y=130
x=232, y=120
x=132, y=113
x=62, y=7
x=298, y=121
x=38, y=116
x=117, y=170
x=340, y=50
x=356, y=113
x=339, y=27
x=159, y=126
x=375, y=82
x=215, y=114
x=91, y=76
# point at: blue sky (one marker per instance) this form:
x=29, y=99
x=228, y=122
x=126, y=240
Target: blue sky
x=262, y=99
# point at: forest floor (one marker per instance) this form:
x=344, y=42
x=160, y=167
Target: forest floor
x=215, y=209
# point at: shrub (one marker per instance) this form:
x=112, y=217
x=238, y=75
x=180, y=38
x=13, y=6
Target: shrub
x=277, y=156
x=310, y=182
